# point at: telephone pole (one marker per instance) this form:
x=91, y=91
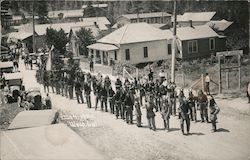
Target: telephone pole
x=33, y=22
x=173, y=46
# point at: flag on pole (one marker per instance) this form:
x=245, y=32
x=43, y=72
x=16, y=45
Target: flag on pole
x=49, y=61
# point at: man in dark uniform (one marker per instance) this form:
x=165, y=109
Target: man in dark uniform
x=97, y=92
x=123, y=107
x=128, y=101
x=117, y=98
x=185, y=111
x=78, y=91
x=191, y=103
x=46, y=81
x=104, y=95
x=87, y=91
x=118, y=84
x=142, y=92
x=110, y=99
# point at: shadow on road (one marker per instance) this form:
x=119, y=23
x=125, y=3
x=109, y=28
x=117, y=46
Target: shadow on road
x=222, y=130
x=197, y=134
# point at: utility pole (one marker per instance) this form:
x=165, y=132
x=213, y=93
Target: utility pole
x=173, y=46
x=33, y=22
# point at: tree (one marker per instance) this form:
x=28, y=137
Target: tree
x=89, y=11
x=41, y=9
x=84, y=38
x=57, y=38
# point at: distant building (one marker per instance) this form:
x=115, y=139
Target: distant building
x=197, y=18
x=24, y=37
x=154, y=17
x=102, y=22
x=96, y=6
x=221, y=27
x=133, y=43
x=198, y=42
x=66, y=14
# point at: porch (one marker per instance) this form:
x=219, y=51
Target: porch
x=104, y=54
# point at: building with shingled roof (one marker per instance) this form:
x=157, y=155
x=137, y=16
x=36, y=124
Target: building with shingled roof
x=133, y=43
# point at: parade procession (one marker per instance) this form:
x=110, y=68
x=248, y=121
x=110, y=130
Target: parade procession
x=124, y=80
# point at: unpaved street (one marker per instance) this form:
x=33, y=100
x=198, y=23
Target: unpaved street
x=121, y=141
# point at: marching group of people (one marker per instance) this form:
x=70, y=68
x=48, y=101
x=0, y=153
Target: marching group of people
x=156, y=95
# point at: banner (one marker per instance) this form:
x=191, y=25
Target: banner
x=49, y=61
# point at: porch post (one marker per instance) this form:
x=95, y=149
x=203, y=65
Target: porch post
x=108, y=58
x=94, y=53
x=101, y=57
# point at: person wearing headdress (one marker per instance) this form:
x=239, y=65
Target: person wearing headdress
x=214, y=110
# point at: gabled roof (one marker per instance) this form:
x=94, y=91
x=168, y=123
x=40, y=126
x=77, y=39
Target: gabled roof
x=21, y=35
x=221, y=25
x=66, y=13
x=103, y=47
x=132, y=33
x=195, y=32
x=196, y=16
x=41, y=29
x=146, y=15
x=100, y=21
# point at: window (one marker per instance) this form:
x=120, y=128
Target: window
x=145, y=50
x=127, y=54
x=212, y=44
x=169, y=49
x=115, y=55
x=192, y=46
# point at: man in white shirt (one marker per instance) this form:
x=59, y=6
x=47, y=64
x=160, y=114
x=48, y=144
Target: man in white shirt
x=207, y=81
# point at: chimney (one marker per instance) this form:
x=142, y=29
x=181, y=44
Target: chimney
x=191, y=23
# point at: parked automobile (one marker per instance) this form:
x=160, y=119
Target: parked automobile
x=32, y=100
x=6, y=67
x=13, y=84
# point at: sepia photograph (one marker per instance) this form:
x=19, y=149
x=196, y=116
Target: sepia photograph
x=124, y=80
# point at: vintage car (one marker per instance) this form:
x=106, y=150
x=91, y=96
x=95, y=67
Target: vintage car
x=32, y=100
x=6, y=67
x=13, y=84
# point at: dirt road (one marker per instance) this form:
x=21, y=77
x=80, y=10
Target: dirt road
x=121, y=141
